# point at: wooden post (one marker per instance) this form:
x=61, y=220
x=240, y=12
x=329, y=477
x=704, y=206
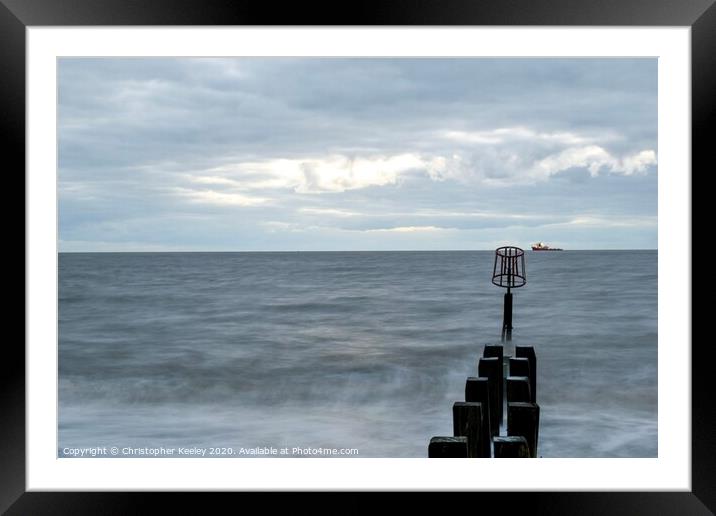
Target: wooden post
x=528, y=352
x=523, y=419
x=447, y=447
x=490, y=368
x=520, y=367
x=518, y=389
x=467, y=421
x=478, y=390
x=496, y=350
x=511, y=447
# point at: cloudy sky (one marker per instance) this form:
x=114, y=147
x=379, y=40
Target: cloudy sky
x=273, y=154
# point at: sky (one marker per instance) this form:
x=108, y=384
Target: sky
x=328, y=154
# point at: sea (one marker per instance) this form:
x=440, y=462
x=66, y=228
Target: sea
x=363, y=354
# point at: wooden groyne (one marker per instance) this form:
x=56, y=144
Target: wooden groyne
x=490, y=398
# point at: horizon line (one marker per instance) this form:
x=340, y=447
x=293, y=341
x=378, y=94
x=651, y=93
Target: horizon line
x=350, y=251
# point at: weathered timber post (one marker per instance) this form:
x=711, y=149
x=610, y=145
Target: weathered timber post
x=511, y=447
x=497, y=351
x=490, y=368
x=467, y=421
x=523, y=420
x=518, y=389
x=447, y=447
x=519, y=367
x=478, y=390
x=528, y=352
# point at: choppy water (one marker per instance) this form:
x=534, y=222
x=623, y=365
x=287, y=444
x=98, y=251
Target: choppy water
x=348, y=350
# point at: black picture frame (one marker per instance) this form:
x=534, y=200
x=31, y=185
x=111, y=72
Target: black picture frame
x=17, y=15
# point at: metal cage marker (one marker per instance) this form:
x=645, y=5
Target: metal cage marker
x=509, y=272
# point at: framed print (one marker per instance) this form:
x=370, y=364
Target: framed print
x=305, y=251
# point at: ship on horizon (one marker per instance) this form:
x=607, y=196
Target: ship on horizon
x=541, y=246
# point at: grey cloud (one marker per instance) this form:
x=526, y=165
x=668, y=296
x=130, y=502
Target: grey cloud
x=135, y=134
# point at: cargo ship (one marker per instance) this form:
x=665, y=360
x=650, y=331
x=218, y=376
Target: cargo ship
x=539, y=246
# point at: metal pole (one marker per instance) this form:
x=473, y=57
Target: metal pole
x=507, y=317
